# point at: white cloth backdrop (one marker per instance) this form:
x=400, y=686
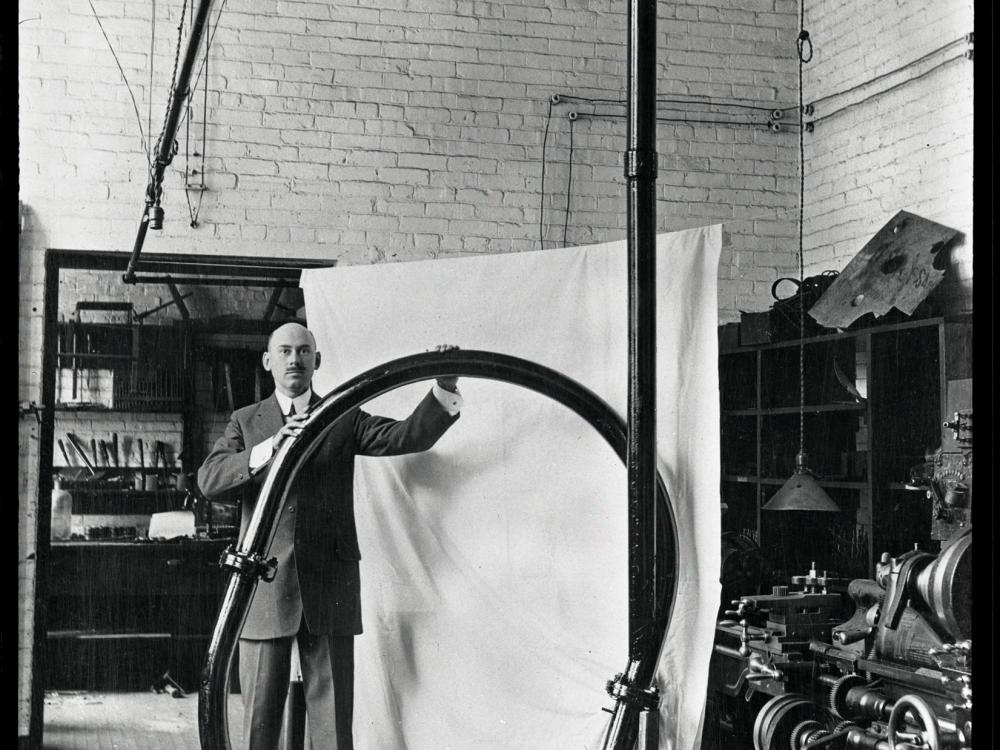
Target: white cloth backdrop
x=494, y=582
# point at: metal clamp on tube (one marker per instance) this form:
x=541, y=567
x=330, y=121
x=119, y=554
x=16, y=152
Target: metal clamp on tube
x=621, y=690
x=294, y=453
x=251, y=566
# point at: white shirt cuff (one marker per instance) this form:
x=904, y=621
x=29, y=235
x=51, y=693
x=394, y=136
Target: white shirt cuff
x=450, y=402
x=260, y=454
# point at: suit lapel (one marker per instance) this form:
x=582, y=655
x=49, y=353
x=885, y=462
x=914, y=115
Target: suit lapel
x=267, y=420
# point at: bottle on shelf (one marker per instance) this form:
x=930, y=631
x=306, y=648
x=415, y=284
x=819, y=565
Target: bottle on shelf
x=62, y=511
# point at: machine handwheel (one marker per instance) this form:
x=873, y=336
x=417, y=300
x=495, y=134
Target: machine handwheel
x=778, y=719
x=931, y=733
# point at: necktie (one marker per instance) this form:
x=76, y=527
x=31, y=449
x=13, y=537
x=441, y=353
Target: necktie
x=291, y=413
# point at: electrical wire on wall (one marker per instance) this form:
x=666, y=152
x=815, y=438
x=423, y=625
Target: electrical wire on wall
x=569, y=177
x=966, y=54
x=152, y=68
x=695, y=110
x=135, y=106
x=688, y=111
x=572, y=117
x=554, y=99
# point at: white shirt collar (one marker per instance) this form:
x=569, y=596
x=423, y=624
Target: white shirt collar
x=301, y=402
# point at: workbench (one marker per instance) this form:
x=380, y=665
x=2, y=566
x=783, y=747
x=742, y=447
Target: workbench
x=122, y=613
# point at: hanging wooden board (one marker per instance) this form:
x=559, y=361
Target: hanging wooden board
x=898, y=267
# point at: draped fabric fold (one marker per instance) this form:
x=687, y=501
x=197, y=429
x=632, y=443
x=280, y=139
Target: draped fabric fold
x=494, y=581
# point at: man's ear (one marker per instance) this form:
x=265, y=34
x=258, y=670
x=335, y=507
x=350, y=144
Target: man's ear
x=266, y=361
x=317, y=361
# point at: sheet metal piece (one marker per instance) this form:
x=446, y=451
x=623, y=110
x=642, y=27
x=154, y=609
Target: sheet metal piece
x=898, y=267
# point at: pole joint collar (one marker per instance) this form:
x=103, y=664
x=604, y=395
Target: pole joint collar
x=640, y=163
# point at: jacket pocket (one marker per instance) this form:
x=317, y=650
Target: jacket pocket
x=347, y=549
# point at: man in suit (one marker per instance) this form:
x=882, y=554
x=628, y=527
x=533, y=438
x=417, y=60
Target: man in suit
x=314, y=598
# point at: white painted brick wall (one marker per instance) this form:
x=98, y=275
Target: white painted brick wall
x=414, y=130
x=908, y=149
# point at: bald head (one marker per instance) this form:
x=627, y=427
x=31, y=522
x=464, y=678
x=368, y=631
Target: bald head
x=290, y=329
x=291, y=358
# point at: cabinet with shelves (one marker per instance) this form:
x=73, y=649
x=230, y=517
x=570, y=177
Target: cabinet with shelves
x=122, y=403
x=874, y=402
x=105, y=632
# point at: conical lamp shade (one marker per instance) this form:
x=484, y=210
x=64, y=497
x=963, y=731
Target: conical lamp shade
x=801, y=492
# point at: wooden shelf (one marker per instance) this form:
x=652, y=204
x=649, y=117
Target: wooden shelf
x=95, y=635
x=843, y=484
x=903, y=370
x=154, y=409
x=779, y=410
x=853, y=333
x=750, y=479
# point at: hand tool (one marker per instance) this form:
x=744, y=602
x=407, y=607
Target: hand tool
x=62, y=447
x=106, y=460
x=93, y=450
x=142, y=459
x=114, y=449
x=86, y=461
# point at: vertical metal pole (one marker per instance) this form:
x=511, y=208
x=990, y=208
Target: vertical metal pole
x=46, y=436
x=640, y=172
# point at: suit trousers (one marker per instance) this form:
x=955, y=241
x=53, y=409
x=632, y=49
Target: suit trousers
x=328, y=680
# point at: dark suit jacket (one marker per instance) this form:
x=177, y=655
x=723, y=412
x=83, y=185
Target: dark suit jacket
x=316, y=541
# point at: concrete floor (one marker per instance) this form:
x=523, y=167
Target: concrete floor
x=85, y=720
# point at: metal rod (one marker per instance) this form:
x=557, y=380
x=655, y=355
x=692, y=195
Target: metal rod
x=165, y=153
x=254, y=544
x=208, y=281
x=640, y=173
x=140, y=238
x=184, y=263
x=178, y=300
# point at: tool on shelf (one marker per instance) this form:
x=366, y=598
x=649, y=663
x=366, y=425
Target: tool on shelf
x=65, y=455
x=79, y=449
x=140, y=475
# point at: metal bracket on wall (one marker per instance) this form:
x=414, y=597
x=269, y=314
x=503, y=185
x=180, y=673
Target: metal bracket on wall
x=30, y=407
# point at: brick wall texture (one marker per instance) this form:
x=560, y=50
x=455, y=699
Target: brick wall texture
x=903, y=141
x=415, y=129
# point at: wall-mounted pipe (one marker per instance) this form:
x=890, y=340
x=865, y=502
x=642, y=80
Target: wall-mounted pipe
x=165, y=146
x=247, y=560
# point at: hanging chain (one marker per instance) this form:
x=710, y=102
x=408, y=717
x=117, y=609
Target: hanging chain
x=155, y=189
x=801, y=44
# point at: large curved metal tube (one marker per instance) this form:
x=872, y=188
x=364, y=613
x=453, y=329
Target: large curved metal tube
x=252, y=548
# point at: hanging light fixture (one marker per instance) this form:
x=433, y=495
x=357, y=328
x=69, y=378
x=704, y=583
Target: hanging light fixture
x=801, y=491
